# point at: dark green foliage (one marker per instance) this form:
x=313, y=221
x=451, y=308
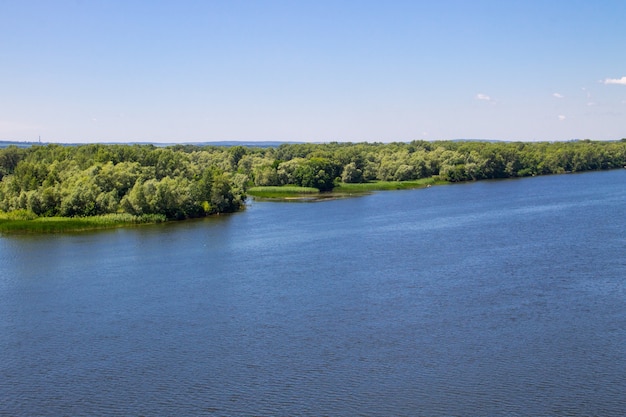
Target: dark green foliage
x=236, y=153
x=9, y=158
x=317, y=173
x=89, y=180
x=351, y=173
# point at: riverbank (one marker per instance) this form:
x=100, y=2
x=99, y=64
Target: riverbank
x=341, y=190
x=27, y=222
x=23, y=221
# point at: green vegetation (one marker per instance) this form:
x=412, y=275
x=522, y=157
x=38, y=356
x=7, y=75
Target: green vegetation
x=287, y=192
x=22, y=221
x=91, y=180
x=283, y=191
x=104, y=185
x=386, y=185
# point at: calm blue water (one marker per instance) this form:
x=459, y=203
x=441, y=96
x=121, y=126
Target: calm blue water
x=488, y=298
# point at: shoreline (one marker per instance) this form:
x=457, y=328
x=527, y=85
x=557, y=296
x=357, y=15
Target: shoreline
x=22, y=222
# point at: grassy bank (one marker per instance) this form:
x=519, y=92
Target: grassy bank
x=386, y=185
x=26, y=222
x=282, y=192
x=288, y=192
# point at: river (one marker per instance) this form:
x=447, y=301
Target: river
x=486, y=298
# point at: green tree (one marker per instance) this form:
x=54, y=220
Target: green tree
x=351, y=174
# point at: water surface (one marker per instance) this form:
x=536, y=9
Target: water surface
x=486, y=298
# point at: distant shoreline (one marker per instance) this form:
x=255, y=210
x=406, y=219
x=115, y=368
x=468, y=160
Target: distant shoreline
x=249, y=144
x=265, y=144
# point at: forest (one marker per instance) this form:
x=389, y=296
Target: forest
x=188, y=181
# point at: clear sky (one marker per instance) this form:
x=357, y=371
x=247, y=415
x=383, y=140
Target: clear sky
x=311, y=70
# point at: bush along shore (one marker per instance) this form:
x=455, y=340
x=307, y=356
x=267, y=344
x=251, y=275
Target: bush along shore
x=47, y=188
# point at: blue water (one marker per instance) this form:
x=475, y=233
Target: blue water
x=487, y=298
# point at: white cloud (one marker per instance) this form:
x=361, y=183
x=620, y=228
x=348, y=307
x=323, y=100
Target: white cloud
x=481, y=96
x=561, y=117
x=621, y=81
x=557, y=95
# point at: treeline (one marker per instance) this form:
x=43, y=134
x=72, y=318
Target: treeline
x=186, y=181
x=318, y=165
x=89, y=180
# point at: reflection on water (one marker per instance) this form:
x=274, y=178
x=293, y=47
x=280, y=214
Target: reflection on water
x=489, y=298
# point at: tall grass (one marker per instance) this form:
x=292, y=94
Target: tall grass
x=387, y=185
x=281, y=191
x=26, y=222
x=342, y=189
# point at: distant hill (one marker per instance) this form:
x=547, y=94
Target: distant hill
x=248, y=144
x=6, y=143
x=480, y=140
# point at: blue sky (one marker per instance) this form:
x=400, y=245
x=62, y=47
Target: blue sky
x=300, y=70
